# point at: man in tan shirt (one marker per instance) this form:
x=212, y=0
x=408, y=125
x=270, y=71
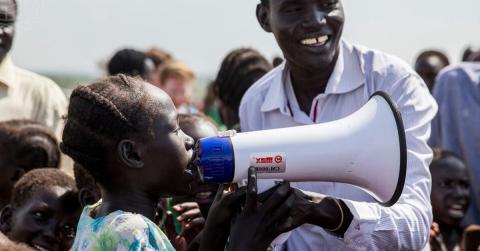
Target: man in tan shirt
x=23, y=94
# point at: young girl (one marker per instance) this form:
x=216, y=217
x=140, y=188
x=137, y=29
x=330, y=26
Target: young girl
x=126, y=134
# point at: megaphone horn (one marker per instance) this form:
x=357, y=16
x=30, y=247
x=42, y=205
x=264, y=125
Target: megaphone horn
x=366, y=149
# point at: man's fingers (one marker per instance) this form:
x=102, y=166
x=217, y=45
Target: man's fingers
x=277, y=198
x=195, y=223
x=190, y=214
x=182, y=207
x=170, y=226
x=251, y=200
x=282, y=211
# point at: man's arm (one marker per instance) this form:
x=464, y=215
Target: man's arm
x=406, y=224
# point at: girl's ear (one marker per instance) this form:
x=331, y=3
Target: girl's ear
x=6, y=219
x=129, y=154
x=263, y=17
x=87, y=197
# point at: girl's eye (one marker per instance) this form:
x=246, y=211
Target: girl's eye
x=177, y=131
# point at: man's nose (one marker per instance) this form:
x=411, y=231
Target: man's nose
x=315, y=18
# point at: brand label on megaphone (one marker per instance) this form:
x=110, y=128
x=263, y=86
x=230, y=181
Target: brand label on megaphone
x=269, y=162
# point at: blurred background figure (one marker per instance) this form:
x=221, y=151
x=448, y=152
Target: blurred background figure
x=471, y=54
x=429, y=64
x=456, y=125
x=176, y=79
x=24, y=94
x=159, y=58
x=277, y=61
x=239, y=70
x=24, y=145
x=132, y=63
x=450, y=198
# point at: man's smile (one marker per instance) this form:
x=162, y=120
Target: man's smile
x=315, y=41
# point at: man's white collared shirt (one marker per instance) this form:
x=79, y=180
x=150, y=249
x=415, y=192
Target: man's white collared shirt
x=359, y=72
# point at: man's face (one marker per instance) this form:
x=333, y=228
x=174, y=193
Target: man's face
x=307, y=31
x=450, y=192
x=8, y=15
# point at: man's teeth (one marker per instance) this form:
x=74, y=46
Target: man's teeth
x=40, y=248
x=315, y=41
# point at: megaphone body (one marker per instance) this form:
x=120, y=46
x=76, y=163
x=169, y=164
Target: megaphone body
x=366, y=149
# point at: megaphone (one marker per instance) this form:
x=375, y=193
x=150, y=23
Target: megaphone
x=366, y=149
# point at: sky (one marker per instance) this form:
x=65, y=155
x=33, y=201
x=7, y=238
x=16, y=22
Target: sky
x=76, y=36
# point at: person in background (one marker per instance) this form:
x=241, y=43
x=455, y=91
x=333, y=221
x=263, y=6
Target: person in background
x=210, y=106
x=132, y=63
x=24, y=145
x=450, y=198
x=277, y=61
x=43, y=212
x=88, y=191
x=24, y=94
x=468, y=52
x=177, y=81
x=239, y=70
x=159, y=58
x=429, y=64
x=456, y=126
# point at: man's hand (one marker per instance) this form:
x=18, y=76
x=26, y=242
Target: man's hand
x=259, y=223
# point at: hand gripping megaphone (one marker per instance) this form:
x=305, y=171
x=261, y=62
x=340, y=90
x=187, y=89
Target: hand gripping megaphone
x=366, y=149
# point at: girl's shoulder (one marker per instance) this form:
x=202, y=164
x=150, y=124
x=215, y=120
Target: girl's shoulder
x=123, y=231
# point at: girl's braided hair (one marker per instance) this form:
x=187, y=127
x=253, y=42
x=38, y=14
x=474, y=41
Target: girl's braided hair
x=240, y=69
x=99, y=116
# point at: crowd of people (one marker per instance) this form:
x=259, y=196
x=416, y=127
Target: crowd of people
x=131, y=136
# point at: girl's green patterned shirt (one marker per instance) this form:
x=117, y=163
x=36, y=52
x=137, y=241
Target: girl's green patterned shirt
x=118, y=231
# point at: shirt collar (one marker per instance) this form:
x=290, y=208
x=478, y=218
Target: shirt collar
x=346, y=76
x=276, y=97
x=7, y=75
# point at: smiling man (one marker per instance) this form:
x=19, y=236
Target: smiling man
x=326, y=78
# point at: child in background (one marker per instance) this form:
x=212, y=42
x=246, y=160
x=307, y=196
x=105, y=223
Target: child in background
x=24, y=145
x=43, y=212
x=177, y=81
x=185, y=215
x=450, y=199
x=198, y=126
x=88, y=191
x=239, y=70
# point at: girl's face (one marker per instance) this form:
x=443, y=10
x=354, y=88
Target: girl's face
x=169, y=151
x=47, y=220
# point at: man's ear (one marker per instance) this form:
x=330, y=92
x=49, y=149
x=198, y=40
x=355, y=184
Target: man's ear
x=87, y=197
x=6, y=219
x=263, y=17
x=129, y=154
